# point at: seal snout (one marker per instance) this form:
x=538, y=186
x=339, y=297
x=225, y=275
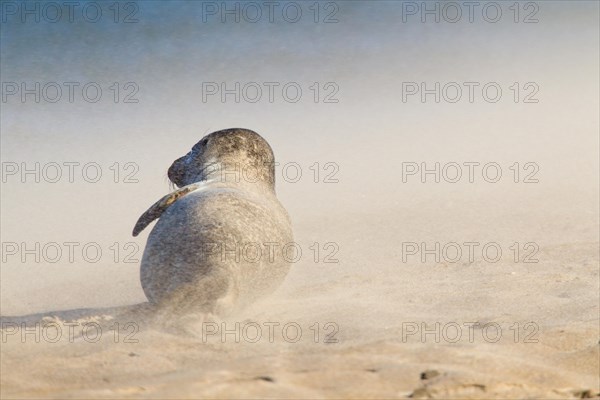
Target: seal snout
x=175, y=172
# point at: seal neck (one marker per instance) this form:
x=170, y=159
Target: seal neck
x=250, y=176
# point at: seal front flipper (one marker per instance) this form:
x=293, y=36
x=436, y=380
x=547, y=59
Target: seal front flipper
x=156, y=210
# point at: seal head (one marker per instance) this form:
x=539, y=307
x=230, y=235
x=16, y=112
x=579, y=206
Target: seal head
x=227, y=153
x=235, y=155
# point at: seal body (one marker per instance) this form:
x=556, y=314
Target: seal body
x=220, y=240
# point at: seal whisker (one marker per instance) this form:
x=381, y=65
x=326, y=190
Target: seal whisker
x=205, y=167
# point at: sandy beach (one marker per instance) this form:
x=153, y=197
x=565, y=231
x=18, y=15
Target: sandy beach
x=454, y=283
x=494, y=330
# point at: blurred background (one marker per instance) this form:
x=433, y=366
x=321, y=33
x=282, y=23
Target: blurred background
x=160, y=66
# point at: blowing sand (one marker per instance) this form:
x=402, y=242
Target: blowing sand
x=360, y=315
x=501, y=330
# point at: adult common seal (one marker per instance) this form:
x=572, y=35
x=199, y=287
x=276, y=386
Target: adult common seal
x=220, y=237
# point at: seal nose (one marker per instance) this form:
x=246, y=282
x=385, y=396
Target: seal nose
x=174, y=172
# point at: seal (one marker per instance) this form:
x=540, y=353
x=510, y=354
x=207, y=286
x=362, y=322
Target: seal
x=220, y=238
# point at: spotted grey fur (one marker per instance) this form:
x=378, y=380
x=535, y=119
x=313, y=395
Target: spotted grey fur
x=218, y=242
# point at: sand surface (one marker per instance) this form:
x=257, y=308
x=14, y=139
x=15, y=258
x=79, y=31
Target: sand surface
x=363, y=318
x=373, y=347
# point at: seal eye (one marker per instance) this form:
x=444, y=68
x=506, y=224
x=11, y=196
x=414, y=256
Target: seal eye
x=200, y=144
